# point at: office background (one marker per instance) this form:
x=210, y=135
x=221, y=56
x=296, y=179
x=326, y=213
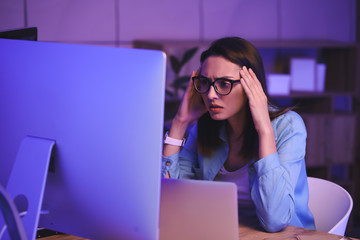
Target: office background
x=118, y=23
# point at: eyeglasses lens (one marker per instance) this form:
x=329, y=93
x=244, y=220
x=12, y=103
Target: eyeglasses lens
x=222, y=86
x=202, y=85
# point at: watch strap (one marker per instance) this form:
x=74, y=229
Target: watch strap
x=173, y=141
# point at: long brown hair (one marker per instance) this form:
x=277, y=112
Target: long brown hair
x=242, y=53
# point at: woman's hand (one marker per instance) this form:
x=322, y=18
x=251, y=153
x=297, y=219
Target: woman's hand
x=192, y=106
x=259, y=110
x=190, y=109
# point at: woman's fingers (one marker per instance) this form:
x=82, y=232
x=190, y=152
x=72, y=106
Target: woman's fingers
x=247, y=84
x=191, y=107
x=257, y=82
x=252, y=86
x=257, y=98
x=251, y=82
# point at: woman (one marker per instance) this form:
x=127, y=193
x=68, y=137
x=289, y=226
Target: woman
x=241, y=137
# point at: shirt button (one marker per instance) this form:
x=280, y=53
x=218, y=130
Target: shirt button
x=168, y=163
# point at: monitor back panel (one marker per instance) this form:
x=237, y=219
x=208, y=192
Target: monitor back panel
x=104, y=108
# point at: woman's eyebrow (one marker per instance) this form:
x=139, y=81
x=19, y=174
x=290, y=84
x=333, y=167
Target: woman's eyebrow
x=226, y=77
x=222, y=77
x=202, y=76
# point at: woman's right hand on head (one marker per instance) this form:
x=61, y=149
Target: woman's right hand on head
x=191, y=109
x=192, y=106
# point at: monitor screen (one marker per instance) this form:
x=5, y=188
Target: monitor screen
x=104, y=109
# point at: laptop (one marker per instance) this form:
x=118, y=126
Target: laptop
x=195, y=209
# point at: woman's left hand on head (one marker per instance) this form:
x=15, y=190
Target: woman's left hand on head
x=257, y=100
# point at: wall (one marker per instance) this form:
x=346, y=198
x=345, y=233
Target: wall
x=119, y=22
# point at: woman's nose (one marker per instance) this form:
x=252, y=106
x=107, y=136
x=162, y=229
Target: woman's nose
x=212, y=94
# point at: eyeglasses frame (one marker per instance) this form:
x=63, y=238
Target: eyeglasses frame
x=213, y=84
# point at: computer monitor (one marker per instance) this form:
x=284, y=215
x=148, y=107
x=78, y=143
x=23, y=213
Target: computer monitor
x=104, y=109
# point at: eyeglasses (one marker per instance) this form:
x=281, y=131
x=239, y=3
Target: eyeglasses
x=222, y=86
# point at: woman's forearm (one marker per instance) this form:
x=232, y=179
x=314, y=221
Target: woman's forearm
x=177, y=131
x=267, y=143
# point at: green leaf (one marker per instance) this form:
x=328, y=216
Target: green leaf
x=170, y=94
x=188, y=55
x=175, y=64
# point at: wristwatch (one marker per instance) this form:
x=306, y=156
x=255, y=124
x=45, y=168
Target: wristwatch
x=173, y=141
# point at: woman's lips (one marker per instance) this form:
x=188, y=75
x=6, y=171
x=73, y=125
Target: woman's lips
x=213, y=108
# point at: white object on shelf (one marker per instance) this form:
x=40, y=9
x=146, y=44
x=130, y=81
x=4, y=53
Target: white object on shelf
x=278, y=84
x=303, y=74
x=320, y=77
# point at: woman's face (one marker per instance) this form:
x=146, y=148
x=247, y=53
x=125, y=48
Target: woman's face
x=228, y=106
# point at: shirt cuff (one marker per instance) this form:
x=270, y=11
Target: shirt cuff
x=169, y=164
x=267, y=164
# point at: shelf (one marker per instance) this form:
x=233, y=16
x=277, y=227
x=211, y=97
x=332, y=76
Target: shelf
x=319, y=103
x=315, y=94
x=302, y=44
x=161, y=44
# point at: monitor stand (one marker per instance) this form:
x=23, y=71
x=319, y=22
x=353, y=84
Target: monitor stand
x=27, y=180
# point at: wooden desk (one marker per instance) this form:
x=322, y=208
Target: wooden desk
x=250, y=233
x=290, y=232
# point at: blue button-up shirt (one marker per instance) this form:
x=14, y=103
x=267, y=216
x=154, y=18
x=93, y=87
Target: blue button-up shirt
x=278, y=182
